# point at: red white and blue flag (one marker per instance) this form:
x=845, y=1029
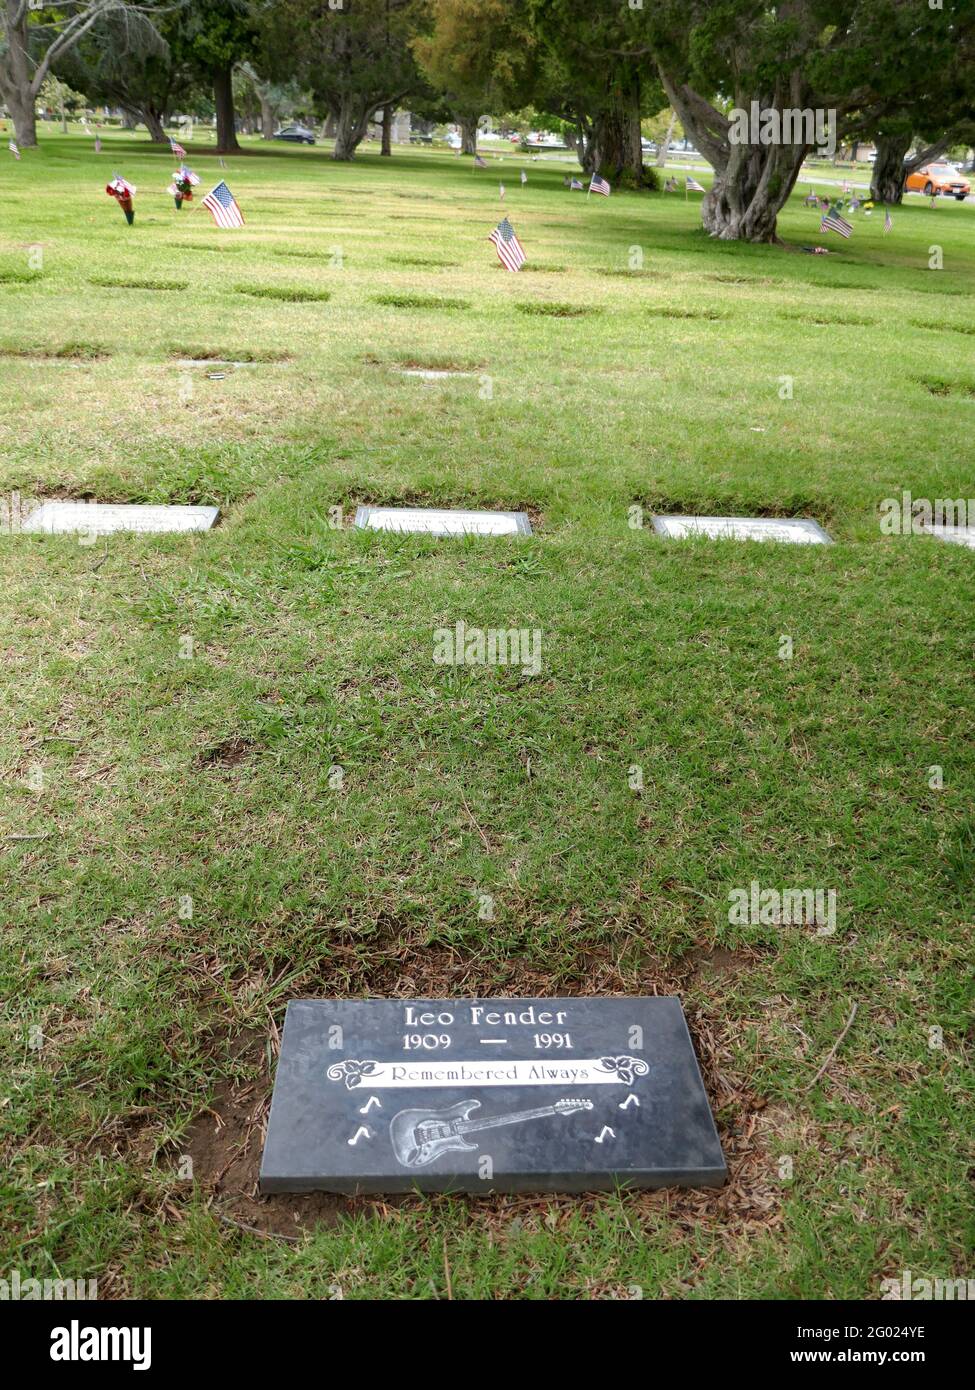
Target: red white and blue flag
x=177, y=148
x=221, y=204
x=12, y=147
x=835, y=222
x=888, y=221
x=480, y=163
x=509, y=248
x=599, y=185
x=693, y=186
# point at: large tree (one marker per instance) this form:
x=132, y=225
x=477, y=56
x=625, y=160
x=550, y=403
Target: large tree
x=32, y=39
x=479, y=54
x=356, y=58
x=127, y=64
x=586, y=77
x=211, y=37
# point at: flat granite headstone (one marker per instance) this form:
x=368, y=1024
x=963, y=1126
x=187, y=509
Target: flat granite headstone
x=104, y=518
x=795, y=530
x=957, y=535
x=436, y=521
x=489, y=1095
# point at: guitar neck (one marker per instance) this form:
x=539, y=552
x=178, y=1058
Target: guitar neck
x=467, y=1126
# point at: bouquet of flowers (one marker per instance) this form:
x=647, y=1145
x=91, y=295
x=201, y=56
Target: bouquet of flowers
x=124, y=192
x=181, y=188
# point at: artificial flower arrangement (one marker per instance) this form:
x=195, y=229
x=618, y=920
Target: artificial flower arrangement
x=184, y=181
x=124, y=193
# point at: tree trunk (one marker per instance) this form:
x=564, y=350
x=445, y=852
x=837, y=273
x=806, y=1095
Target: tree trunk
x=617, y=139
x=662, y=149
x=130, y=118
x=351, y=124
x=153, y=123
x=892, y=164
x=16, y=90
x=468, y=135
x=748, y=194
x=751, y=182
x=387, y=145
x=887, y=177
x=267, y=118
x=223, y=98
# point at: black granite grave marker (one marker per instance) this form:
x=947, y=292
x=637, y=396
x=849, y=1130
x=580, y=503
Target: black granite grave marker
x=495, y=1095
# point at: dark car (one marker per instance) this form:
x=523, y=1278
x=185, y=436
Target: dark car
x=297, y=134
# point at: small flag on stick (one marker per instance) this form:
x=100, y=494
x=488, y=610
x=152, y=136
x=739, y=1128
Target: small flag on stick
x=480, y=163
x=888, y=221
x=510, y=251
x=221, y=204
x=524, y=176
x=501, y=189
x=12, y=147
x=576, y=183
x=693, y=186
x=177, y=148
x=599, y=185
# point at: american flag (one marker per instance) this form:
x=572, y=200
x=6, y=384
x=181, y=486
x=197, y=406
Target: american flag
x=576, y=183
x=480, y=163
x=221, y=204
x=524, y=176
x=599, y=185
x=98, y=144
x=693, y=186
x=12, y=147
x=501, y=191
x=509, y=248
x=835, y=222
x=177, y=148
x=888, y=221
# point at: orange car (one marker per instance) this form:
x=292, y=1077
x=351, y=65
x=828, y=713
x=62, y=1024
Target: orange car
x=932, y=179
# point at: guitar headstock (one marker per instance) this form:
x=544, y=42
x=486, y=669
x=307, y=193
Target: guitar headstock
x=565, y=1107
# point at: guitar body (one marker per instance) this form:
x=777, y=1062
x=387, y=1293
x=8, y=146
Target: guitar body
x=420, y=1136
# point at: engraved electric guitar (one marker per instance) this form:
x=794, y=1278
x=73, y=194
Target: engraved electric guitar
x=420, y=1136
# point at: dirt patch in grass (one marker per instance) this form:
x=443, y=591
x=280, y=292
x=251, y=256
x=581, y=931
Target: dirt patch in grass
x=107, y=283
x=939, y=326
x=671, y=312
x=427, y=262
x=785, y=509
x=301, y=255
x=73, y=352
x=632, y=274
x=204, y=354
x=418, y=301
x=229, y=753
x=938, y=386
x=557, y=311
x=220, y=248
x=822, y=320
x=283, y=293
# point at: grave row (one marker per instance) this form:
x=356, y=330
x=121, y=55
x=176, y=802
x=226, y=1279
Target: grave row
x=105, y=518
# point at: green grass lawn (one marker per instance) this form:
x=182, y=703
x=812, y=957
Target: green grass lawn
x=137, y=1036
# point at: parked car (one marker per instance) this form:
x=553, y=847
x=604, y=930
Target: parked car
x=297, y=134
x=935, y=179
